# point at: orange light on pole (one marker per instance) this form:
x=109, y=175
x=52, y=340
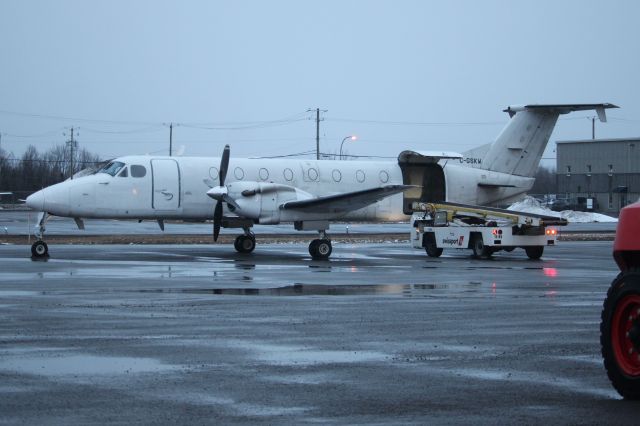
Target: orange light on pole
x=351, y=137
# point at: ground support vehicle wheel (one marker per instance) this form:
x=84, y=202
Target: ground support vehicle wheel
x=534, y=252
x=320, y=249
x=620, y=334
x=244, y=243
x=39, y=249
x=432, y=250
x=479, y=249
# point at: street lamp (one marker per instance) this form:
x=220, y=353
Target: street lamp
x=352, y=137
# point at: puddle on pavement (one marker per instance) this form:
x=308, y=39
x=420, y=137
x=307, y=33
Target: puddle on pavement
x=60, y=365
x=407, y=290
x=16, y=293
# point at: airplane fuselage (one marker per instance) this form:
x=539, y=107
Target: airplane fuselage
x=150, y=187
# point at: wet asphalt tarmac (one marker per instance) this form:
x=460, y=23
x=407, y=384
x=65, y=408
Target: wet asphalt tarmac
x=380, y=334
x=23, y=222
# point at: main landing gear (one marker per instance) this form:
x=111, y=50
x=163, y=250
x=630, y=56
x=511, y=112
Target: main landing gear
x=320, y=249
x=245, y=243
x=39, y=249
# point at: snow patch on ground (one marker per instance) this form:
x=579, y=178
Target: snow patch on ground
x=531, y=205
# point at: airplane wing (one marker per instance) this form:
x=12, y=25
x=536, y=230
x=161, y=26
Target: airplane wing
x=345, y=202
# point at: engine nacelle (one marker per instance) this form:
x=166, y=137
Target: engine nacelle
x=261, y=201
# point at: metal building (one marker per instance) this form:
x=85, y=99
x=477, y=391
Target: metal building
x=604, y=170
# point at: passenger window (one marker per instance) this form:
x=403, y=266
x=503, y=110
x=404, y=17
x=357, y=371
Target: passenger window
x=138, y=171
x=123, y=173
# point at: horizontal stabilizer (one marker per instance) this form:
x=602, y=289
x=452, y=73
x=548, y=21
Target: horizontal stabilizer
x=563, y=108
x=345, y=202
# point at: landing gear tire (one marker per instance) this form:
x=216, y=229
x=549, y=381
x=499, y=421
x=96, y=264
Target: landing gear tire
x=320, y=249
x=244, y=243
x=534, y=252
x=620, y=334
x=432, y=250
x=39, y=249
x=479, y=249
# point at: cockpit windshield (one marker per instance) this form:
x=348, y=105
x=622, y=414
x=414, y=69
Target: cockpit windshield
x=112, y=168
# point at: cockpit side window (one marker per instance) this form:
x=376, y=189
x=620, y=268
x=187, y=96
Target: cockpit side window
x=138, y=171
x=112, y=168
x=124, y=173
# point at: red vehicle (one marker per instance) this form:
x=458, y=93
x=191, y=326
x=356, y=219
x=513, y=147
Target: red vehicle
x=620, y=326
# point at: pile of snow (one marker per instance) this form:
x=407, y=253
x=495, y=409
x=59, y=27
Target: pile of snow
x=583, y=217
x=531, y=205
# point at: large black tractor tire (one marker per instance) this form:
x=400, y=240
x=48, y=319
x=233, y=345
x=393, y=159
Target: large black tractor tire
x=620, y=334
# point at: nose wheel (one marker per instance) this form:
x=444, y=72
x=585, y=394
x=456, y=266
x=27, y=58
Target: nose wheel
x=39, y=249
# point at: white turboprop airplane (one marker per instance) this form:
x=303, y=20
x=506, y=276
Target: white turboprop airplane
x=242, y=192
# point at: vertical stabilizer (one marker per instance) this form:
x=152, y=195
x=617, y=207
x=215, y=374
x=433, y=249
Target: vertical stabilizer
x=519, y=147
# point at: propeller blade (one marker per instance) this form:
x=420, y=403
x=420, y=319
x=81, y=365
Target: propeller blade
x=224, y=164
x=217, y=213
x=227, y=199
x=217, y=220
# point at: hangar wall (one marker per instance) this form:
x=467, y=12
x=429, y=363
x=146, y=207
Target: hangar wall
x=606, y=169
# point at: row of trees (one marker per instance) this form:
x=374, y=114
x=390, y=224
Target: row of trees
x=546, y=182
x=34, y=170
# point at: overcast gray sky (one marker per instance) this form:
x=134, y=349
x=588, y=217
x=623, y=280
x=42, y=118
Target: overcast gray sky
x=399, y=74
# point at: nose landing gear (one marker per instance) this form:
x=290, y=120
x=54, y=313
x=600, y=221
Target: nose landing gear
x=39, y=249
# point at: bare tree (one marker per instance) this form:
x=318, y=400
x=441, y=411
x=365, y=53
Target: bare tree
x=545, y=182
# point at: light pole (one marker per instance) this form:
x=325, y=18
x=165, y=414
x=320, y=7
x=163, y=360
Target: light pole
x=352, y=137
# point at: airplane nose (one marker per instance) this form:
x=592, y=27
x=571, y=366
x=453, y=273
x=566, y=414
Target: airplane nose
x=35, y=201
